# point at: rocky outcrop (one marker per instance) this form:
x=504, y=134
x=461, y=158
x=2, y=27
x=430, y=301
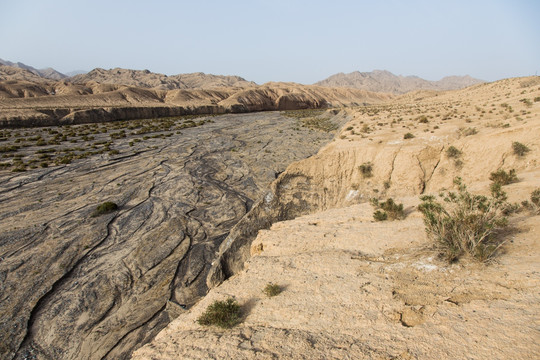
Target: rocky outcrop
x=148, y=79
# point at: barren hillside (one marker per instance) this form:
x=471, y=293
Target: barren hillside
x=356, y=288
x=34, y=104
x=385, y=81
x=48, y=73
x=147, y=79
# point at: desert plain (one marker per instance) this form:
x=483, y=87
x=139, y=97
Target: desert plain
x=216, y=199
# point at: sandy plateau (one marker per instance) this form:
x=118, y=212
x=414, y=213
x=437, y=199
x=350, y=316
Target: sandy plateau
x=358, y=289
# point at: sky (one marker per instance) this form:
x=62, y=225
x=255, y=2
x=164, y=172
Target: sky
x=294, y=40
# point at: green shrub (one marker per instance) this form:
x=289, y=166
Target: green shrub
x=468, y=131
x=453, y=152
x=387, y=210
x=502, y=177
x=534, y=205
x=408, y=136
x=520, y=149
x=535, y=197
x=8, y=148
x=366, y=169
x=380, y=215
x=423, y=119
x=105, y=208
x=465, y=223
x=224, y=314
x=271, y=289
x=527, y=102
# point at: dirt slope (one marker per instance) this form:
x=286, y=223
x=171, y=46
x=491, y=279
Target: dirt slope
x=353, y=288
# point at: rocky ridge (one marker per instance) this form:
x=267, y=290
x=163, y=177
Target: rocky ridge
x=24, y=104
x=385, y=81
x=148, y=79
x=48, y=73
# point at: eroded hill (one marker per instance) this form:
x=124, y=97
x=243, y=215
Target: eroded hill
x=385, y=81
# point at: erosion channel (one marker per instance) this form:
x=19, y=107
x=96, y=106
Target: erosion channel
x=77, y=286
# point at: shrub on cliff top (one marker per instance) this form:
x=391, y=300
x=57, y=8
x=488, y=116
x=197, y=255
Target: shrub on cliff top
x=272, y=289
x=465, y=223
x=224, y=314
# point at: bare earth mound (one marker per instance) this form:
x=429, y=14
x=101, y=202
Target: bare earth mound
x=355, y=288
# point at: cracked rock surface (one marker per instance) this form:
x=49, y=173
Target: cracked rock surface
x=73, y=286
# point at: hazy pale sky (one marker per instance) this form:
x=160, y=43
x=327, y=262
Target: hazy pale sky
x=300, y=41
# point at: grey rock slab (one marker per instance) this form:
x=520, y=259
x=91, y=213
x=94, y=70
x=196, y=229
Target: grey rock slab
x=73, y=286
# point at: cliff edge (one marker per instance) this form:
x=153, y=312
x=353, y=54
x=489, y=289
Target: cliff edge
x=356, y=288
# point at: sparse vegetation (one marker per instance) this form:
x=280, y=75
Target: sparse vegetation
x=535, y=197
x=408, y=136
x=272, y=289
x=453, y=152
x=93, y=139
x=502, y=177
x=105, y=208
x=467, y=131
x=534, y=204
x=527, y=102
x=387, y=210
x=366, y=169
x=423, y=119
x=224, y=314
x=465, y=224
x=520, y=149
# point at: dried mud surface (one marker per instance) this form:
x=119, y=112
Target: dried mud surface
x=74, y=286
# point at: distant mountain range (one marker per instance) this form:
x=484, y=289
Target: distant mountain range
x=148, y=79
x=385, y=81
x=376, y=81
x=48, y=73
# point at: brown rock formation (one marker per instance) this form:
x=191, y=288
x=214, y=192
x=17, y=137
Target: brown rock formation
x=385, y=81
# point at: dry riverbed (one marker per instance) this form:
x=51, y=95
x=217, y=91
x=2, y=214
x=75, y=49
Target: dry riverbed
x=77, y=286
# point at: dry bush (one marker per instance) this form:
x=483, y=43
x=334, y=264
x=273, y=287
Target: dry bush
x=366, y=169
x=224, y=314
x=105, y=208
x=272, y=289
x=502, y=177
x=520, y=149
x=465, y=223
x=387, y=210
